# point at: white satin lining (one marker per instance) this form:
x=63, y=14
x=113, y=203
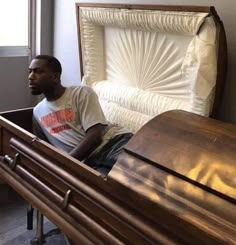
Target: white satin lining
x=142, y=63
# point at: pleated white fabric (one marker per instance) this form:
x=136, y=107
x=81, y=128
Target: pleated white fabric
x=142, y=63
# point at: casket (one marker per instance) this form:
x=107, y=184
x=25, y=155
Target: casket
x=145, y=60
x=159, y=71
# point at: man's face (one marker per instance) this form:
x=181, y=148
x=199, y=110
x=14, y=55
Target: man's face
x=41, y=79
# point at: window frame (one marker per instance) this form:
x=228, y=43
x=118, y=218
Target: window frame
x=29, y=50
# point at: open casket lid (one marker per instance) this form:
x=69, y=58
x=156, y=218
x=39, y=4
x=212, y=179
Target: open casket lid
x=143, y=60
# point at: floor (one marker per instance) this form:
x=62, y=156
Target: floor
x=13, y=230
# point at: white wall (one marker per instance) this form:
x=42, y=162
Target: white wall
x=66, y=46
x=66, y=42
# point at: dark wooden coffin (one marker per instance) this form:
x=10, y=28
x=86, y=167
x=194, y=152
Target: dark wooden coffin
x=174, y=184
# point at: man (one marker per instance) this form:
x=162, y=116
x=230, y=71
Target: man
x=71, y=118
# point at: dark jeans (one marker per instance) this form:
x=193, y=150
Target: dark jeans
x=104, y=160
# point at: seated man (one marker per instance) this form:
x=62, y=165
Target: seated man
x=71, y=118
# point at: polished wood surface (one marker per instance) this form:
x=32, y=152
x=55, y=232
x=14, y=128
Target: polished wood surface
x=20, y=117
x=146, y=198
x=190, y=142
x=189, y=8
x=173, y=184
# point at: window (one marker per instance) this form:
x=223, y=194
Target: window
x=15, y=24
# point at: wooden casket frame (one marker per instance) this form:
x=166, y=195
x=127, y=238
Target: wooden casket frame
x=173, y=184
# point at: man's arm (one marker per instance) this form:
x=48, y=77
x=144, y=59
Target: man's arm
x=92, y=139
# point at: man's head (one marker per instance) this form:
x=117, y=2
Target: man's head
x=44, y=74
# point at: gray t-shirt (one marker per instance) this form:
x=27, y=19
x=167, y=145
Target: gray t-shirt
x=66, y=120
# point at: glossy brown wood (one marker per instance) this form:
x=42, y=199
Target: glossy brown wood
x=1, y=140
x=39, y=201
x=103, y=210
x=79, y=43
x=190, y=8
x=91, y=192
x=222, y=65
x=187, y=140
x=21, y=117
x=149, y=197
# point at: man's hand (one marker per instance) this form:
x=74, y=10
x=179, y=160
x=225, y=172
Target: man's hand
x=91, y=141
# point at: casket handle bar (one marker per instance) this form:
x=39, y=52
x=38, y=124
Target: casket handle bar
x=66, y=200
x=137, y=227
x=12, y=161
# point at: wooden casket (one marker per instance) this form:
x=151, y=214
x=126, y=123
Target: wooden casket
x=154, y=69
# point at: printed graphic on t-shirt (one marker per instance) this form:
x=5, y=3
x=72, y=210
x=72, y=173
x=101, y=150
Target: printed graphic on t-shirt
x=57, y=121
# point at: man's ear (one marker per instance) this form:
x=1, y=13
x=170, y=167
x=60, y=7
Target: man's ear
x=56, y=76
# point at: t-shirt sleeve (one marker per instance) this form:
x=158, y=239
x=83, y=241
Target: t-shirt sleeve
x=90, y=110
